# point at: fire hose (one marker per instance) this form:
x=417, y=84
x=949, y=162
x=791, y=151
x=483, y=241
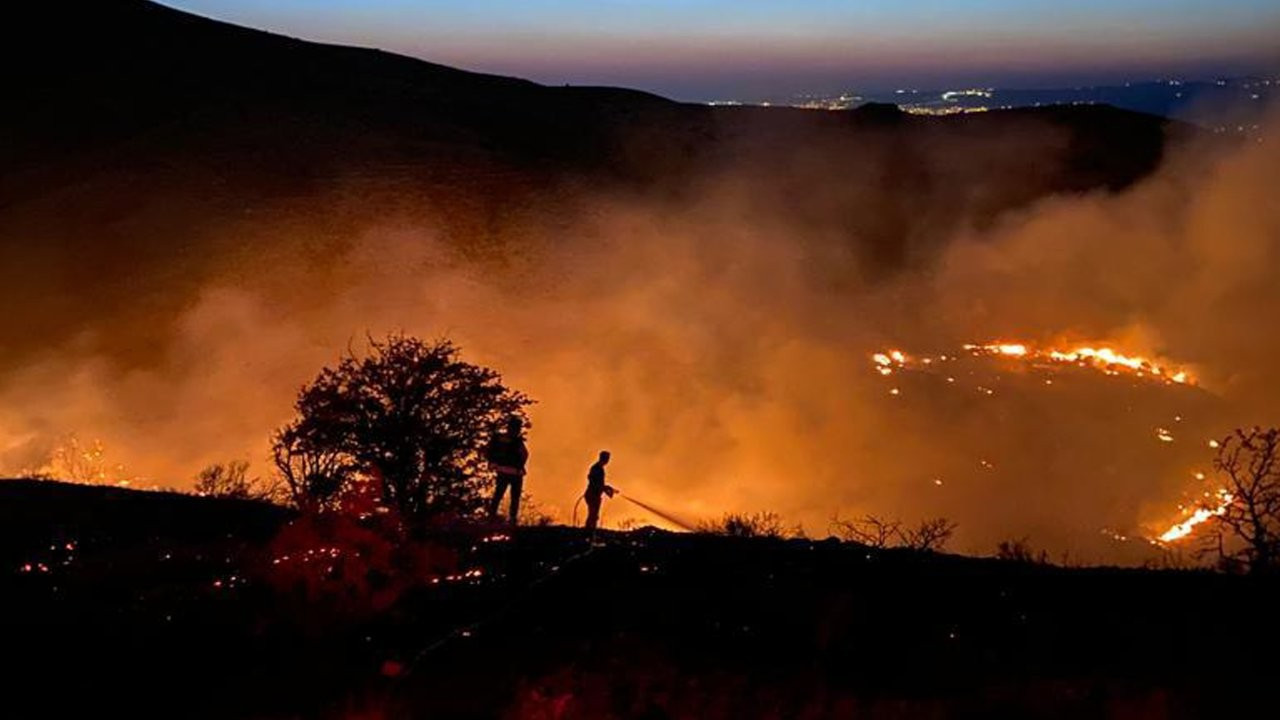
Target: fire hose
x=641, y=504
x=609, y=490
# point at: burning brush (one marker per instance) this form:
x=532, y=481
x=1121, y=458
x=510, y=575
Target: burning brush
x=1103, y=359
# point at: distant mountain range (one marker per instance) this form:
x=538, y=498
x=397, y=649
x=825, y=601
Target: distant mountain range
x=1228, y=105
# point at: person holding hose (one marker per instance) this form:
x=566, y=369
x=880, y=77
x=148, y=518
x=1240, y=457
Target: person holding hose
x=596, y=489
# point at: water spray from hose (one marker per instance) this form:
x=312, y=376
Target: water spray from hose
x=660, y=513
x=644, y=506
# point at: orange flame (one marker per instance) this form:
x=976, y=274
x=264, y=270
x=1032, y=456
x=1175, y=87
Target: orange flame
x=1200, y=516
x=1103, y=359
x=75, y=462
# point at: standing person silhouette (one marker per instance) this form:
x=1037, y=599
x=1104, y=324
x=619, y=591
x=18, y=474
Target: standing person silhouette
x=507, y=455
x=596, y=488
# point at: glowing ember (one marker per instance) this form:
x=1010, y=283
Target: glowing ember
x=1201, y=515
x=471, y=575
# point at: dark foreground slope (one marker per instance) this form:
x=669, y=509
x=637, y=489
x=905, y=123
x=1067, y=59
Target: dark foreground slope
x=177, y=607
x=147, y=151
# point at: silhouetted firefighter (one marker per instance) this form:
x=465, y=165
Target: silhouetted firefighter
x=507, y=456
x=596, y=488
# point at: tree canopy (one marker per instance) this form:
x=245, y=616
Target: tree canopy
x=407, y=414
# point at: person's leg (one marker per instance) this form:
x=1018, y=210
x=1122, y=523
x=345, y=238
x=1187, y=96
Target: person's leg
x=593, y=512
x=517, y=487
x=499, y=487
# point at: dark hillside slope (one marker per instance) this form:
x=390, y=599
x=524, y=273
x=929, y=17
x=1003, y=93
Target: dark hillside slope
x=37, y=513
x=645, y=624
x=133, y=72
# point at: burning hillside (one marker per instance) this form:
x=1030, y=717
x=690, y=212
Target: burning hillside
x=1082, y=393
x=338, y=384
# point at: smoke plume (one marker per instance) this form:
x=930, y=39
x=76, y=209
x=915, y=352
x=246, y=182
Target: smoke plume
x=720, y=349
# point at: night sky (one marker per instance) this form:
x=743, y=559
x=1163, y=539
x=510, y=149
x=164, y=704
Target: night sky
x=743, y=49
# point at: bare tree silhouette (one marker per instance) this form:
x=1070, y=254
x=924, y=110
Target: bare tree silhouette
x=1020, y=550
x=931, y=535
x=871, y=530
x=231, y=480
x=760, y=524
x=1246, y=521
x=316, y=474
x=878, y=532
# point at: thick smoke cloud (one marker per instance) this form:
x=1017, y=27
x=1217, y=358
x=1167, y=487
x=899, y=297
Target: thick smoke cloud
x=1183, y=263
x=722, y=354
